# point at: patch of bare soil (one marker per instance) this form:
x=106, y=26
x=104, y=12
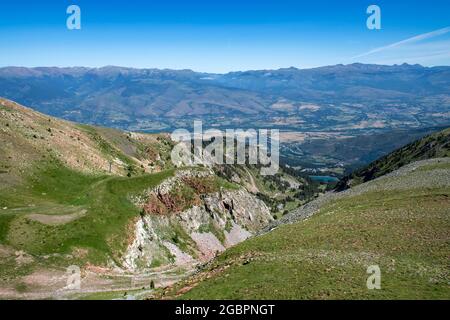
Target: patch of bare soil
x=54, y=220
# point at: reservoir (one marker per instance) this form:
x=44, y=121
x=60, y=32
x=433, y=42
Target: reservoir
x=324, y=179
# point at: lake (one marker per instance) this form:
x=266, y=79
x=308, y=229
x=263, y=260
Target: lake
x=324, y=179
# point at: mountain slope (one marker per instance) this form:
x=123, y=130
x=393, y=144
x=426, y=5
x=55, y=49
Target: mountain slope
x=111, y=203
x=436, y=145
x=59, y=202
x=398, y=222
x=403, y=230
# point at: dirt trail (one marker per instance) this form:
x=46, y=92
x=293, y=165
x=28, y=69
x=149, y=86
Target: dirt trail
x=253, y=187
x=95, y=283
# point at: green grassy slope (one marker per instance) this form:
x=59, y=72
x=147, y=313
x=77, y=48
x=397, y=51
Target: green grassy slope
x=326, y=257
x=58, y=202
x=58, y=191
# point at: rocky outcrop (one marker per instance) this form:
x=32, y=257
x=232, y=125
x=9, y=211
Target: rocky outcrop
x=217, y=221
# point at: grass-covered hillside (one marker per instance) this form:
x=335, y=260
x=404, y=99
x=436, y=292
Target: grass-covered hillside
x=65, y=189
x=399, y=222
x=404, y=232
x=109, y=202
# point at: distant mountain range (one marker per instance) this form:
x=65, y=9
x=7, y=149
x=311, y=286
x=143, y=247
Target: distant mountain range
x=341, y=97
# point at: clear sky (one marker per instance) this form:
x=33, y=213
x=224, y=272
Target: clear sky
x=220, y=36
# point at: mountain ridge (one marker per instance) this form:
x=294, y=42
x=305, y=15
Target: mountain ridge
x=292, y=68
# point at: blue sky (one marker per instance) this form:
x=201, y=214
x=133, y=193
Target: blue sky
x=221, y=36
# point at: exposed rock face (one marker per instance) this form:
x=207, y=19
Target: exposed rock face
x=219, y=220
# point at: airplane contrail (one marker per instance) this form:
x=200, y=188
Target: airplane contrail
x=417, y=38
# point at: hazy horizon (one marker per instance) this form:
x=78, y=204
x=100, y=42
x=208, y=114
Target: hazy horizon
x=223, y=37
x=219, y=73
